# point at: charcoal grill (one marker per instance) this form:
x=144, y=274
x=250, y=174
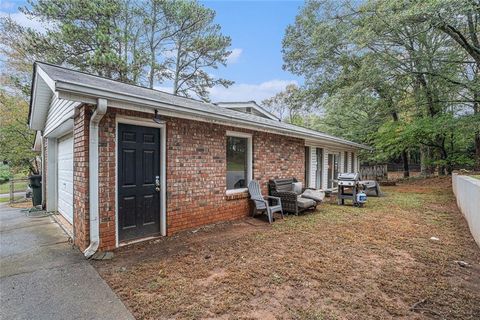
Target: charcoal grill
x=348, y=187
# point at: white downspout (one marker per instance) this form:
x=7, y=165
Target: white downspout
x=93, y=177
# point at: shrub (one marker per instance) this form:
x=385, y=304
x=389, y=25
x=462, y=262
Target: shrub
x=5, y=173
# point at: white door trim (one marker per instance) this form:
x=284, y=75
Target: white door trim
x=51, y=185
x=57, y=197
x=145, y=122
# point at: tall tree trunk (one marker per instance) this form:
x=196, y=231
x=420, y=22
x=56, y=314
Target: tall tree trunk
x=469, y=41
x=423, y=162
x=176, y=80
x=153, y=60
x=442, y=154
x=444, y=167
x=406, y=169
x=151, y=74
x=477, y=131
x=429, y=95
x=477, y=151
x=426, y=167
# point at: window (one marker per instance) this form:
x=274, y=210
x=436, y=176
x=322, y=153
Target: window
x=239, y=160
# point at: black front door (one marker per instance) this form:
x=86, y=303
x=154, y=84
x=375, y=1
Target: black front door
x=138, y=181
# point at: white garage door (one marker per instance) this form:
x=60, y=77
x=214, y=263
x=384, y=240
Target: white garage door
x=65, y=177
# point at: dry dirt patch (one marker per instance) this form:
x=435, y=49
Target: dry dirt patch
x=337, y=263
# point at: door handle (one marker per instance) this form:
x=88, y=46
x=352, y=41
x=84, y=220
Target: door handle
x=157, y=183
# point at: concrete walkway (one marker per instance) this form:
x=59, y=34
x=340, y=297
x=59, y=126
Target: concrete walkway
x=42, y=277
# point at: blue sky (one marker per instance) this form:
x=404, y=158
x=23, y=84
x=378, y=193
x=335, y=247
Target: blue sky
x=256, y=29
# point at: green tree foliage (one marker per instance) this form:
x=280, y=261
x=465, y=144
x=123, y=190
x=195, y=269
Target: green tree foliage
x=290, y=105
x=16, y=139
x=5, y=173
x=139, y=42
x=387, y=75
x=198, y=45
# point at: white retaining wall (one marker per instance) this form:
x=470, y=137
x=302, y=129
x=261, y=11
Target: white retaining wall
x=467, y=192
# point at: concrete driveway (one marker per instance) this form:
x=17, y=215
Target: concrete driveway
x=43, y=277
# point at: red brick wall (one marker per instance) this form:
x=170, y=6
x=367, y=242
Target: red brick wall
x=80, y=178
x=276, y=156
x=107, y=180
x=196, y=172
x=196, y=176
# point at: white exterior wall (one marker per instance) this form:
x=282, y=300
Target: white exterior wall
x=349, y=159
x=467, y=192
x=313, y=167
x=325, y=166
x=352, y=168
x=349, y=162
x=60, y=110
x=356, y=166
x=341, y=162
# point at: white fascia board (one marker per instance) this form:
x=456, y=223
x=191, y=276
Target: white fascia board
x=48, y=81
x=33, y=103
x=333, y=145
x=88, y=94
x=41, y=84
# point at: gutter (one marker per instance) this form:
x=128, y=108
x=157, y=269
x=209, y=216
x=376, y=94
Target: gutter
x=93, y=178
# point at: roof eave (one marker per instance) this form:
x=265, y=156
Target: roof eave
x=32, y=90
x=41, y=92
x=233, y=104
x=92, y=93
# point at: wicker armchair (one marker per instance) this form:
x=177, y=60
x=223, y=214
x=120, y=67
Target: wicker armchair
x=291, y=201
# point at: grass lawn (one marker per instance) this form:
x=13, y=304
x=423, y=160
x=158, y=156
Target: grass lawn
x=340, y=262
x=7, y=199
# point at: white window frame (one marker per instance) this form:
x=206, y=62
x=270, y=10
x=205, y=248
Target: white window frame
x=249, y=159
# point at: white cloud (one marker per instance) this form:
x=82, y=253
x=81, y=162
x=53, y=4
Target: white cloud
x=247, y=91
x=241, y=91
x=167, y=89
x=234, y=55
x=24, y=20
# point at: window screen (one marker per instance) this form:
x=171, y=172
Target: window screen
x=237, y=166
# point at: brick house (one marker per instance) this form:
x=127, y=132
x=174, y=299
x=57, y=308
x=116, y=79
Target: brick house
x=122, y=163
